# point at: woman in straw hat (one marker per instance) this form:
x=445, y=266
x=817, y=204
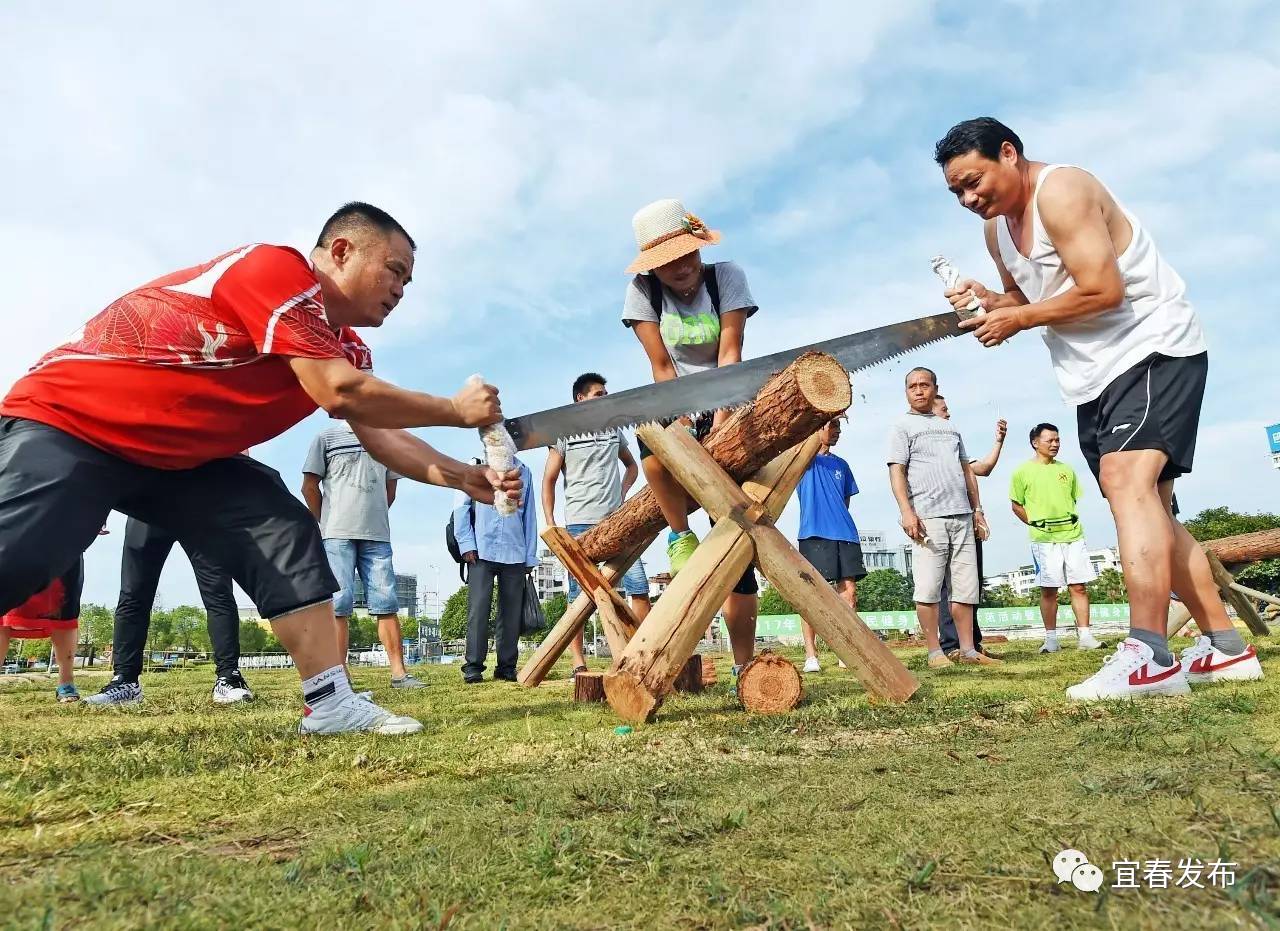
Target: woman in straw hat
x=689, y=317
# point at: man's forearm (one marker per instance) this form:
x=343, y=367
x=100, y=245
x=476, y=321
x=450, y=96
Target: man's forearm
x=1073, y=304
x=971, y=485
x=898, y=482
x=377, y=403
x=314, y=500
x=402, y=452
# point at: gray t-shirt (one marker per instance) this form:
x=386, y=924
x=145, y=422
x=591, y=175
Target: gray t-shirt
x=592, y=480
x=354, y=486
x=932, y=451
x=691, y=331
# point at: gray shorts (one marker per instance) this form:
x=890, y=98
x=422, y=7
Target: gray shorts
x=951, y=554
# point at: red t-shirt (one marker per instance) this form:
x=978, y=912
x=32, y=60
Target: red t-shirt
x=192, y=366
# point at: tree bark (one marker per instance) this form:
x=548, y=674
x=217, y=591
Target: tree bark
x=690, y=678
x=588, y=687
x=1245, y=547
x=791, y=406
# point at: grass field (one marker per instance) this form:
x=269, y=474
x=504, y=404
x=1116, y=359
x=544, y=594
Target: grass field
x=518, y=809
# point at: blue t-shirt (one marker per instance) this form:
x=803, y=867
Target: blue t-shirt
x=823, y=490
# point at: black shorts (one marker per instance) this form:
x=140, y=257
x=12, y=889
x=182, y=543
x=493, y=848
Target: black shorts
x=1154, y=405
x=56, y=492
x=701, y=430
x=834, y=559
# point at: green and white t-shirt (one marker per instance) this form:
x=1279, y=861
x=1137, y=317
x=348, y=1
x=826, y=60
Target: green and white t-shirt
x=1049, y=494
x=691, y=332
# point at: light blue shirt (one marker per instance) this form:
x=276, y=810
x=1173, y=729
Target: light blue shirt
x=509, y=540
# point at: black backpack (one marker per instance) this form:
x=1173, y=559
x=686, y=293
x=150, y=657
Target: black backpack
x=451, y=540
x=708, y=278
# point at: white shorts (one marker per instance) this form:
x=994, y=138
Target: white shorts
x=1059, y=564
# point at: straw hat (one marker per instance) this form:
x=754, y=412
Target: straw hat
x=665, y=231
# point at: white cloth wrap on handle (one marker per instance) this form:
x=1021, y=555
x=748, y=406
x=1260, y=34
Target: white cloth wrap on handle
x=950, y=276
x=499, y=455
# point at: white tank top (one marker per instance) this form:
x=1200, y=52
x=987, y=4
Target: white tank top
x=1088, y=354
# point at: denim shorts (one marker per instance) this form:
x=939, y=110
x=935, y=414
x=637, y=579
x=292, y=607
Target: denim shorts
x=635, y=582
x=372, y=559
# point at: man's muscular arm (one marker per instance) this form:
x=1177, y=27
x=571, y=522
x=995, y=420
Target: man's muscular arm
x=402, y=452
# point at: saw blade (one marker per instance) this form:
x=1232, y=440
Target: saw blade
x=726, y=387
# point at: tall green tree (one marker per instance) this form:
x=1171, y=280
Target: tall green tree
x=253, y=639
x=773, y=602
x=1003, y=596
x=885, y=590
x=97, y=623
x=189, y=628
x=1108, y=588
x=1223, y=522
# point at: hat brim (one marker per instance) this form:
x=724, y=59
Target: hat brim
x=674, y=248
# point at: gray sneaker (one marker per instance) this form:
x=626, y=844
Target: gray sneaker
x=353, y=714
x=409, y=681
x=117, y=692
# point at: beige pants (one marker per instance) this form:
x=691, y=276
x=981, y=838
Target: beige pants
x=951, y=553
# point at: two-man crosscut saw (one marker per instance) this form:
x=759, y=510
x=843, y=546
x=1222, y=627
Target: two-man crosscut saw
x=725, y=387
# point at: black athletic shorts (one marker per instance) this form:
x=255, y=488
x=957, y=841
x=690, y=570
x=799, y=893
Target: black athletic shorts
x=1154, y=405
x=701, y=430
x=56, y=492
x=834, y=559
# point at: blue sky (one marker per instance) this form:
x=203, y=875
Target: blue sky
x=516, y=140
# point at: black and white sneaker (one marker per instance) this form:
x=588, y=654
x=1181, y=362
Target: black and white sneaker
x=119, y=691
x=230, y=689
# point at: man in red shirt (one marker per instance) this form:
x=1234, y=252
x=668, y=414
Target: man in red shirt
x=146, y=409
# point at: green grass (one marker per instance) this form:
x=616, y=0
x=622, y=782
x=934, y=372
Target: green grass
x=518, y=809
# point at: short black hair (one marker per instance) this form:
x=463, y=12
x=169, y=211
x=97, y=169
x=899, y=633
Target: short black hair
x=985, y=135
x=1040, y=428
x=938, y=397
x=358, y=216
x=585, y=381
x=921, y=368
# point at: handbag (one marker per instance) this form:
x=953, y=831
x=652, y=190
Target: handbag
x=532, y=619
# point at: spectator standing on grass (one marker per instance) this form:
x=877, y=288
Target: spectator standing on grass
x=350, y=494
x=498, y=550
x=937, y=496
x=593, y=489
x=146, y=548
x=1045, y=495
x=828, y=536
x=947, y=638
x=53, y=614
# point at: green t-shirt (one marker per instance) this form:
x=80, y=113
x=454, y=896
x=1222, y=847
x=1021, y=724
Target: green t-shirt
x=1049, y=494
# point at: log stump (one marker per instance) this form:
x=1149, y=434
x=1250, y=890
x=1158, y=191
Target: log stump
x=769, y=684
x=588, y=686
x=690, y=677
x=792, y=406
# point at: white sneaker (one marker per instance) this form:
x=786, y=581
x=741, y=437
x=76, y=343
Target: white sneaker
x=231, y=689
x=355, y=714
x=1050, y=646
x=117, y=692
x=1085, y=640
x=1205, y=663
x=811, y=665
x=1130, y=672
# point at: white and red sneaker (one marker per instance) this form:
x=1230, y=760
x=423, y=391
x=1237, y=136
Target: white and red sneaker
x=1204, y=663
x=1131, y=672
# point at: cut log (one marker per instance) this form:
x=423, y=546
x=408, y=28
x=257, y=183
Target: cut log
x=769, y=684
x=561, y=635
x=789, y=572
x=641, y=677
x=708, y=673
x=1179, y=617
x=588, y=686
x=791, y=406
x=690, y=678
x=1245, y=547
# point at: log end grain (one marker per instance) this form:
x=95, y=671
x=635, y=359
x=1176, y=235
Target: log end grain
x=824, y=385
x=769, y=684
x=629, y=698
x=588, y=687
x=708, y=673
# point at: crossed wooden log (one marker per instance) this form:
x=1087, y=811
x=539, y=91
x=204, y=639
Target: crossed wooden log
x=766, y=446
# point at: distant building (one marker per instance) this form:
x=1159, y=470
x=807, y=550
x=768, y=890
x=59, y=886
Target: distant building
x=658, y=584
x=876, y=554
x=549, y=577
x=1023, y=579
x=406, y=594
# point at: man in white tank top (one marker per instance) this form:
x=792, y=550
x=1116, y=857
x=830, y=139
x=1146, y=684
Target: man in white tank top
x=1129, y=354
